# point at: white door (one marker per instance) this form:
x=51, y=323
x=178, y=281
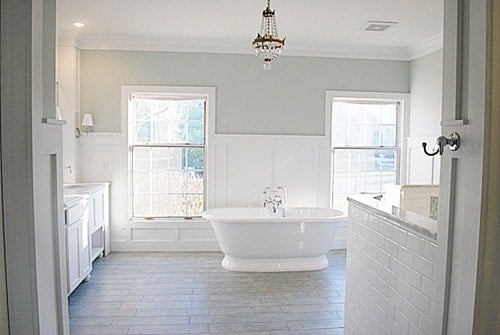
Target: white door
x=464, y=78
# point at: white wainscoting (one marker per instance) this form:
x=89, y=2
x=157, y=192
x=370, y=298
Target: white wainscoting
x=420, y=168
x=239, y=167
x=244, y=165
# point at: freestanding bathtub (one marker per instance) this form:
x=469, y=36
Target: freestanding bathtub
x=254, y=239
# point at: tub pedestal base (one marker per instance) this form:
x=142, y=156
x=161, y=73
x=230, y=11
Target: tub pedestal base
x=274, y=264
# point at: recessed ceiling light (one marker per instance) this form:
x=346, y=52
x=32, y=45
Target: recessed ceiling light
x=378, y=25
x=79, y=24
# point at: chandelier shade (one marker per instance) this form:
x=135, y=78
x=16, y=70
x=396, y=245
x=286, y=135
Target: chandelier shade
x=267, y=44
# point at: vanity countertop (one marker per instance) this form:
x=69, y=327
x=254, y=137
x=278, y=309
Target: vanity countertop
x=72, y=200
x=74, y=193
x=81, y=188
x=413, y=221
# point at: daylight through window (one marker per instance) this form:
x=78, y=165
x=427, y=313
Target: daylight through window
x=167, y=150
x=365, y=147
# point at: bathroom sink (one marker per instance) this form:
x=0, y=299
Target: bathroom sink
x=78, y=189
x=75, y=187
x=69, y=200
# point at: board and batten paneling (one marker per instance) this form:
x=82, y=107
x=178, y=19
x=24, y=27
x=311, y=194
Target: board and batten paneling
x=420, y=168
x=239, y=167
x=245, y=165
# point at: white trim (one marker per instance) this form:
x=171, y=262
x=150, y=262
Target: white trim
x=177, y=228
x=160, y=246
x=425, y=47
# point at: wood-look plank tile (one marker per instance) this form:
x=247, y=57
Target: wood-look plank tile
x=189, y=293
x=163, y=330
x=97, y=330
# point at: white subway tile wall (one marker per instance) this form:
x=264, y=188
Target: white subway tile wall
x=390, y=281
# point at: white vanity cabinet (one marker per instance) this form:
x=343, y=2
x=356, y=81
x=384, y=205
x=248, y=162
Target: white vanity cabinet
x=87, y=228
x=78, y=249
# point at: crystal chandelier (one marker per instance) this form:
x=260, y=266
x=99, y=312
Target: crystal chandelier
x=267, y=44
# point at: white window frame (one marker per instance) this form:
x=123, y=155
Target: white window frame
x=127, y=92
x=401, y=131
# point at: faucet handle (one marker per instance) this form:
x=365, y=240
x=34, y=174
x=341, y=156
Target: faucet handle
x=284, y=192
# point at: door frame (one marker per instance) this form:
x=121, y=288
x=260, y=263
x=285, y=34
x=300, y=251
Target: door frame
x=462, y=194
x=34, y=249
x=450, y=234
x=487, y=292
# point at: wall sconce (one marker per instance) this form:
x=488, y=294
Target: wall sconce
x=87, y=122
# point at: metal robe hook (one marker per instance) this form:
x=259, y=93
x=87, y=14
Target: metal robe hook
x=453, y=141
x=424, y=145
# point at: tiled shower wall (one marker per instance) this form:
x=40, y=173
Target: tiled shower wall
x=390, y=280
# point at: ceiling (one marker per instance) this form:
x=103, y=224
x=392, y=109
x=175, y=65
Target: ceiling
x=330, y=28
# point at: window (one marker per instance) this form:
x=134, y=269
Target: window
x=167, y=146
x=365, y=147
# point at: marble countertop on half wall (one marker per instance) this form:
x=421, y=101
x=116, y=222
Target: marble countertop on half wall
x=404, y=218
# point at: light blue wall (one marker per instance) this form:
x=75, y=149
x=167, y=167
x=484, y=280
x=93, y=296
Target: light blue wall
x=426, y=94
x=287, y=100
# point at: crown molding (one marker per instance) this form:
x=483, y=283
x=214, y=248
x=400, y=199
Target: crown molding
x=157, y=44
x=206, y=46
x=352, y=52
x=127, y=43
x=425, y=47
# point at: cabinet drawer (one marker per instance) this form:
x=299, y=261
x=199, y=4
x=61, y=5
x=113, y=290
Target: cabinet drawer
x=75, y=213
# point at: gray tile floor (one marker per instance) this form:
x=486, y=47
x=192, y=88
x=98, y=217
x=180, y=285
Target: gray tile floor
x=189, y=293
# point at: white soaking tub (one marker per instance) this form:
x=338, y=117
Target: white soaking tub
x=255, y=240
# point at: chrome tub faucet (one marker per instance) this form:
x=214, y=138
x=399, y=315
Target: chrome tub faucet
x=275, y=199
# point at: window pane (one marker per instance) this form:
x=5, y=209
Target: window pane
x=142, y=131
x=195, y=131
x=160, y=158
x=177, y=181
x=160, y=205
x=194, y=204
x=168, y=181
x=159, y=181
x=142, y=159
x=142, y=205
x=195, y=159
x=142, y=181
x=168, y=175
x=169, y=121
x=362, y=171
x=194, y=181
x=178, y=205
x=363, y=123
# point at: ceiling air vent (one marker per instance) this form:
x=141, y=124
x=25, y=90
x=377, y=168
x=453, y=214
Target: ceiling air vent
x=378, y=25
